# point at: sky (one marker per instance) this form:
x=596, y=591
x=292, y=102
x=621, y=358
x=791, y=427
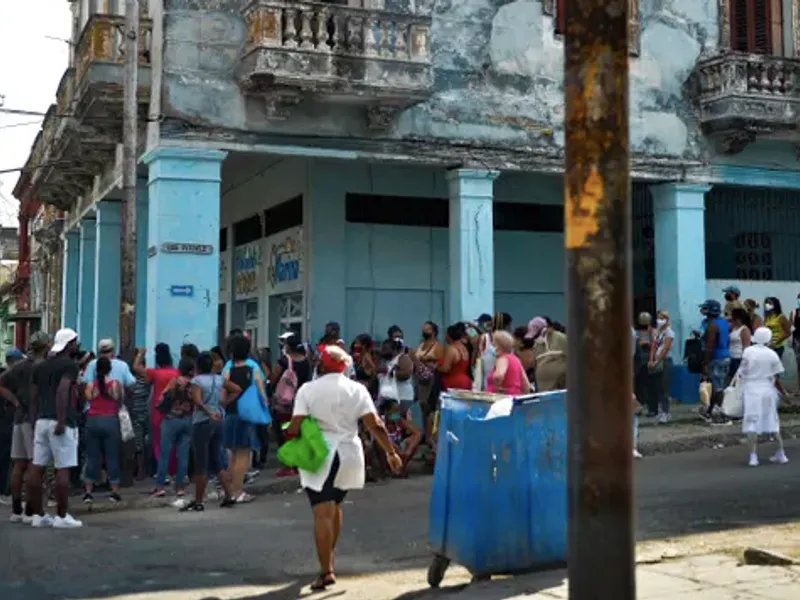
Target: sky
x=31, y=65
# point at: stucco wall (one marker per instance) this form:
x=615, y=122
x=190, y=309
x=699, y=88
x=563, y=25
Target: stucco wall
x=498, y=76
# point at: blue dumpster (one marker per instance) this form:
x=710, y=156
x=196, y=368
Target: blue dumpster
x=499, y=498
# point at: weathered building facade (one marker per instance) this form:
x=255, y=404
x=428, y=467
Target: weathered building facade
x=389, y=161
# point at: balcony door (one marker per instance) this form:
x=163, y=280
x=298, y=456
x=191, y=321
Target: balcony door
x=757, y=26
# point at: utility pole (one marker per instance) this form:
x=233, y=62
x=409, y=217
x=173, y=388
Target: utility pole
x=597, y=237
x=127, y=315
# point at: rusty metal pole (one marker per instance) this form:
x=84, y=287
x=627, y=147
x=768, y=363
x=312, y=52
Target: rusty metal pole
x=130, y=126
x=598, y=222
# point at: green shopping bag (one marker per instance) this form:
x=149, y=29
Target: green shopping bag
x=308, y=451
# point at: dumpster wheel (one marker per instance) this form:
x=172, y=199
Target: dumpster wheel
x=437, y=569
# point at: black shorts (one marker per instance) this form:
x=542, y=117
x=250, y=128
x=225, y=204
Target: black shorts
x=329, y=493
x=207, y=444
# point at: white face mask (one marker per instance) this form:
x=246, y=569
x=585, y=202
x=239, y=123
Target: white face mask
x=661, y=322
x=768, y=307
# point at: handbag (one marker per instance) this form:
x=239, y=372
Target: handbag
x=252, y=408
x=126, y=425
x=387, y=388
x=286, y=389
x=733, y=403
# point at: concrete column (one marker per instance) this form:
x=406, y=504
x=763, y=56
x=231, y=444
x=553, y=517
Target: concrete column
x=471, y=291
x=69, y=286
x=325, y=271
x=107, y=271
x=142, y=206
x=86, y=262
x=678, y=211
x=183, y=284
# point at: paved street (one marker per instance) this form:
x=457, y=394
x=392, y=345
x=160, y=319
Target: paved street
x=263, y=551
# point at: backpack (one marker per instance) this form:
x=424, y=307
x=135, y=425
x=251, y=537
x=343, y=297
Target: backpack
x=286, y=388
x=693, y=355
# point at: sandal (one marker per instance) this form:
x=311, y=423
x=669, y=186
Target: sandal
x=323, y=581
x=194, y=506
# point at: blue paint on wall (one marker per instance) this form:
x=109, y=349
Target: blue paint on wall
x=184, y=207
x=69, y=287
x=86, y=283
x=142, y=224
x=107, y=271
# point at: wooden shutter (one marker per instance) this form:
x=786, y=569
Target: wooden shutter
x=561, y=17
x=751, y=26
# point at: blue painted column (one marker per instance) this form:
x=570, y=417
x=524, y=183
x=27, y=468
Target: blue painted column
x=325, y=268
x=86, y=283
x=142, y=225
x=69, y=286
x=471, y=290
x=183, y=287
x=678, y=211
x=107, y=271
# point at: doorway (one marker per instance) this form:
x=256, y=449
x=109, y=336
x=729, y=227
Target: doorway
x=285, y=314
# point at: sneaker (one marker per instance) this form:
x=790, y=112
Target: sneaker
x=212, y=496
x=42, y=521
x=88, y=498
x=284, y=472
x=27, y=519
x=227, y=502
x=779, y=458
x=244, y=498
x=5, y=500
x=664, y=418
x=114, y=497
x=158, y=493
x=15, y=518
x=753, y=460
x=193, y=506
x=66, y=522
x=637, y=454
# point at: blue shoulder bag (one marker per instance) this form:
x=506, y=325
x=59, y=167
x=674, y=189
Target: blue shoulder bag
x=252, y=408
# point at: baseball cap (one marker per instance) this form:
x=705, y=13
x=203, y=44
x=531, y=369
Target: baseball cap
x=732, y=289
x=105, y=345
x=286, y=335
x=14, y=354
x=63, y=337
x=711, y=308
x=38, y=340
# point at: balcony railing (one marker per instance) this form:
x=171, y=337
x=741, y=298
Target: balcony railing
x=749, y=94
x=103, y=40
x=336, y=50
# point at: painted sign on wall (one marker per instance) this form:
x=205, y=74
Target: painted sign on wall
x=285, y=262
x=247, y=265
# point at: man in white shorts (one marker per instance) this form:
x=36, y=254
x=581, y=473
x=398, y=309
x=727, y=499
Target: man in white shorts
x=15, y=385
x=54, y=401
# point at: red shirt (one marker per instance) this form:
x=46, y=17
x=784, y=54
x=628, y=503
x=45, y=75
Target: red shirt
x=160, y=377
x=104, y=405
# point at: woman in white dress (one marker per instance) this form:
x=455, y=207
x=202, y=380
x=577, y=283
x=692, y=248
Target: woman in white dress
x=338, y=404
x=760, y=387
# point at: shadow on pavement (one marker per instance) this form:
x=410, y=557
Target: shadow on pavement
x=499, y=588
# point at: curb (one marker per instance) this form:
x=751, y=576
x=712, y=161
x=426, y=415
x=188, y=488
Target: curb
x=137, y=501
x=733, y=436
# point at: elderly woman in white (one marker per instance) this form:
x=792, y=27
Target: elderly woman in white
x=338, y=404
x=760, y=387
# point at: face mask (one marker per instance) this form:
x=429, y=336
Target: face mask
x=426, y=335
x=394, y=417
x=768, y=307
x=661, y=322
x=728, y=297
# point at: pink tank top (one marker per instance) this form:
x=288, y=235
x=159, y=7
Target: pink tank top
x=512, y=382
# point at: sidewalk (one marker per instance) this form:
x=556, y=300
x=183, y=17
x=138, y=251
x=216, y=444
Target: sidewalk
x=711, y=577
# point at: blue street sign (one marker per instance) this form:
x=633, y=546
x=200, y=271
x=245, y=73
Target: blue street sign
x=183, y=291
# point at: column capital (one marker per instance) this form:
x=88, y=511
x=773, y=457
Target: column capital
x=677, y=196
x=474, y=174
x=186, y=164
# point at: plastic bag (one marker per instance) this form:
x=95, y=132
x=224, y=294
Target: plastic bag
x=733, y=403
x=308, y=451
x=126, y=425
x=478, y=376
x=705, y=393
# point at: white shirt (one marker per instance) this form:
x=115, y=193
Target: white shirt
x=759, y=365
x=337, y=404
x=735, y=342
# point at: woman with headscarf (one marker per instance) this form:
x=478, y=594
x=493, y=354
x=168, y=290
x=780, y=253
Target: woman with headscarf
x=550, y=355
x=760, y=386
x=337, y=404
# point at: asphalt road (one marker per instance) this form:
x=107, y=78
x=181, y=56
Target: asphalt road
x=263, y=551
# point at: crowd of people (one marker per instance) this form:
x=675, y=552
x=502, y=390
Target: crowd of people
x=736, y=348
x=75, y=413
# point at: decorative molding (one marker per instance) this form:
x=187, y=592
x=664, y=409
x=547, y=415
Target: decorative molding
x=549, y=7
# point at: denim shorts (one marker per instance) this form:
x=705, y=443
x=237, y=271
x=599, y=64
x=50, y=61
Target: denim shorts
x=240, y=435
x=718, y=373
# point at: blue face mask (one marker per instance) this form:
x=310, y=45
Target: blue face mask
x=395, y=417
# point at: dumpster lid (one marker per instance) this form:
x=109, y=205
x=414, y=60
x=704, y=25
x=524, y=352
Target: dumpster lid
x=470, y=395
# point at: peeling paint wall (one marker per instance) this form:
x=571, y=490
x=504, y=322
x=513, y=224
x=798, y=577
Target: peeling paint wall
x=498, y=76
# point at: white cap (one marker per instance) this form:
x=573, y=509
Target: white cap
x=62, y=338
x=286, y=335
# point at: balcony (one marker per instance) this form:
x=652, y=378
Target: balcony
x=372, y=59
x=743, y=97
